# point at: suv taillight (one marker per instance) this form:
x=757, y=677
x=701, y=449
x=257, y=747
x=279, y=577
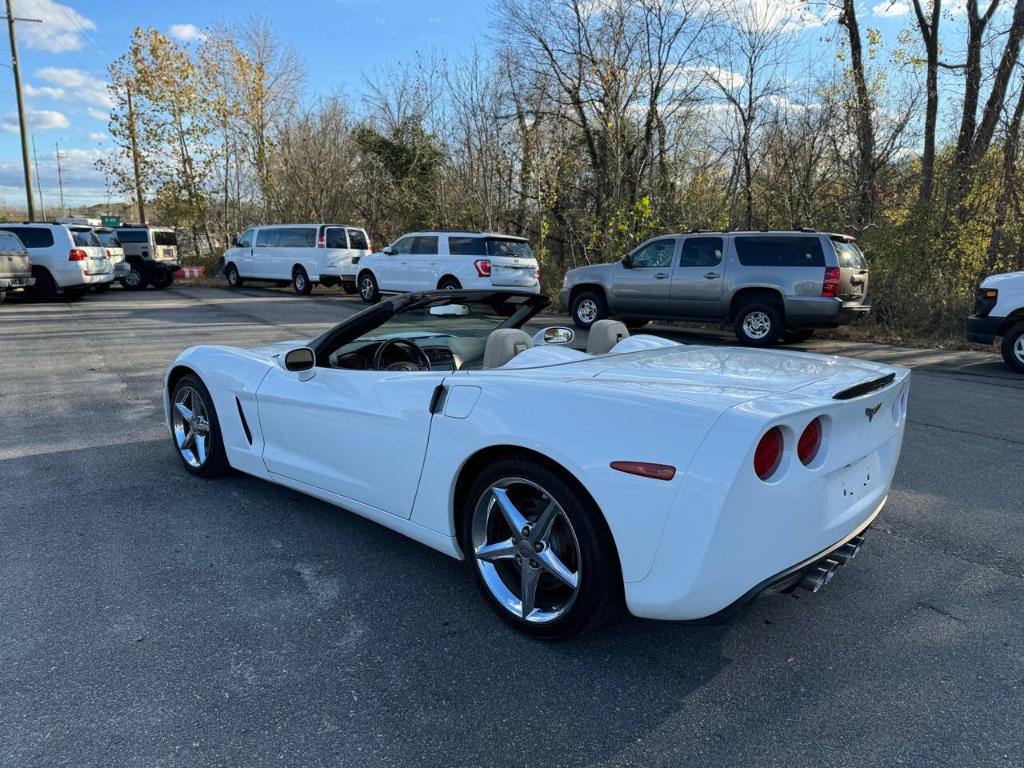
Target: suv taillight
x=483, y=267
x=830, y=287
x=77, y=255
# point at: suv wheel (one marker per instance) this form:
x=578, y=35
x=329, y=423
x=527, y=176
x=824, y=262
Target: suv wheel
x=449, y=284
x=234, y=279
x=587, y=308
x=758, y=324
x=300, y=282
x=45, y=288
x=1013, y=347
x=162, y=278
x=368, y=290
x=134, y=280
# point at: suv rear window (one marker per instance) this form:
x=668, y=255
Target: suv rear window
x=466, y=246
x=33, y=237
x=108, y=239
x=133, y=235
x=497, y=246
x=780, y=251
x=165, y=238
x=849, y=254
x=357, y=239
x=85, y=238
x=334, y=237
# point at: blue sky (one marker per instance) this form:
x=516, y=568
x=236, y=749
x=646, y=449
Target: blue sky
x=64, y=61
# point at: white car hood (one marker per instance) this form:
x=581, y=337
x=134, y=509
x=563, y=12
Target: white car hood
x=1016, y=280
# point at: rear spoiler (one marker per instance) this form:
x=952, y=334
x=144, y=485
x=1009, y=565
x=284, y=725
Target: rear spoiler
x=862, y=389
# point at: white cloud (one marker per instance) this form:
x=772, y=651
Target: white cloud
x=98, y=136
x=77, y=85
x=187, y=33
x=83, y=182
x=63, y=27
x=45, y=92
x=891, y=9
x=775, y=15
x=98, y=114
x=42, y=119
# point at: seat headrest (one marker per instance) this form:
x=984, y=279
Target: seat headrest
x=605, y=334
x=504, y=344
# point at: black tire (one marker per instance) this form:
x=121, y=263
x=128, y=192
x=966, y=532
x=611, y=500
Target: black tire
x=136, y=279
x=162, y=278
x=763, y=316
x=74, y=293
x=1013, y=347
x=102, y=287
x=587, y=308
x=595, y=558
x=215, y=463
x=3, y=296
x=797, y=335
x=368, y=290
x=350, y=288
x=449, y=283
x=231, y=275
x=45, y=288
x=300, y=282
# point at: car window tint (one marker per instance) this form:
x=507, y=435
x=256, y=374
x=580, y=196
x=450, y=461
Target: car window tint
x=466, y=246
x=425, y=245
x=497, y=246
x=403, y=246
x=266, y=238
x=296, y=237
x=9, y=242
x=849, y=255
x=701, y=252
x=109, y=239
x=657, y=253
x=33, y=237
x=165, y=238
x=357, y=239
x=334, y=237
x=780, y=251
x=245, y=241
x=84, y=238
x=133, y=235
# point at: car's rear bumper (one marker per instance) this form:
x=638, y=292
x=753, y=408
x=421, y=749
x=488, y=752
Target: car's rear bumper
x=983, y=330
x=821, y=310
x=16, y=282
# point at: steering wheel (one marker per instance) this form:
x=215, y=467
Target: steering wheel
x=416, y=358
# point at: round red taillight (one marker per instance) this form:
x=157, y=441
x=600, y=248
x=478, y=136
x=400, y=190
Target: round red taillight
x=809, y=443
x=768, y=454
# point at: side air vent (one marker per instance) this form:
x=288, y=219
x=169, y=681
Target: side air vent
x=245, y=424
x=862, y=389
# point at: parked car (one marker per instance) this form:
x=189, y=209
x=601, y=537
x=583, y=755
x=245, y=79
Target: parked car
x=999, y=313
x=108, y=239
x=302, y=254
x=15, y=266
x=66, y=259
x=152, y=256
x=427, y=261
x=690, y=478
x=769, y=286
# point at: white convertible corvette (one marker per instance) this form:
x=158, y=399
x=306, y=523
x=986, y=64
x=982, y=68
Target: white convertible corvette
x=687, y=478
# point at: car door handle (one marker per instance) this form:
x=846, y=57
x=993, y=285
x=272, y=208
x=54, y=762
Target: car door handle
x=711, y=275
x=661, y=276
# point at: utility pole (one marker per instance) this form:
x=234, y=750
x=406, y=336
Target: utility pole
x=60, y=182
x=39, y=184
x=135, y=156
x=21, y=108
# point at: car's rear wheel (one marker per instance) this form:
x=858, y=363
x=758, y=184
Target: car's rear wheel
x=449, y=284
x=231, y=274
x=797, y=335
x=195, y=428
x=45, y=287
x=539, y=549
x=162, y=278
x=587, y=308
x=368, y=290
x=74, y=293
x=300, y=282
x=135, y=280
x=758, y=324
x=349, y=288
x=102, y=287
x=1013, y=347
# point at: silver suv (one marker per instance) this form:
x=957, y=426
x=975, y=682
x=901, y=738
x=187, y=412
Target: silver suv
x=769, y=286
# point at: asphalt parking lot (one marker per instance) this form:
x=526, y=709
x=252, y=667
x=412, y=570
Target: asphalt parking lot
x=150, y=618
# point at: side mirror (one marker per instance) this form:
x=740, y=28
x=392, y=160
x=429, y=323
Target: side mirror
x=627, y=261
x=388, y=251
x=234, y=242
x=301, y=360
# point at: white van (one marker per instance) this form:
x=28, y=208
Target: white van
x=303, y=254
x=431, y=261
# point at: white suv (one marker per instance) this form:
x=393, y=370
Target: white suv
x=428, y=261
x=303, y=254
x=66, y=259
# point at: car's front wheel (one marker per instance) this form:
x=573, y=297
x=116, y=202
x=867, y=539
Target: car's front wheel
x=1013, y=347
x=758, y=324
x=587, y=308
x=368, y=290
x=195, y=428
x=539, y=549
x=231, y=274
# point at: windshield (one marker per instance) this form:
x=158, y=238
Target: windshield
x=164, y=238
x=849, y=255
x=501, y=247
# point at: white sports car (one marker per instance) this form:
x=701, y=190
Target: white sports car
x=686, y=478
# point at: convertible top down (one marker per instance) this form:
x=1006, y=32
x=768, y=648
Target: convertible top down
x=687, y=478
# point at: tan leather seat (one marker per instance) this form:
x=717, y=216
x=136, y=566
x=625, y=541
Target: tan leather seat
x=605, y=334
x=504, y=344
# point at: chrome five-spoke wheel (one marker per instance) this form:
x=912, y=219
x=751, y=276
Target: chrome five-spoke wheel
x=191, y=426
x=526, y=550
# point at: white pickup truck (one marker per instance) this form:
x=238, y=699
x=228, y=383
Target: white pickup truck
x=999, y=312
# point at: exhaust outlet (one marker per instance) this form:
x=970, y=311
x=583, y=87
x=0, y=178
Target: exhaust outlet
x=816, y=578
x=845, y=553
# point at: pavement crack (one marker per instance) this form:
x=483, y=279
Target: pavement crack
x=928, y=544
x=946, y=428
